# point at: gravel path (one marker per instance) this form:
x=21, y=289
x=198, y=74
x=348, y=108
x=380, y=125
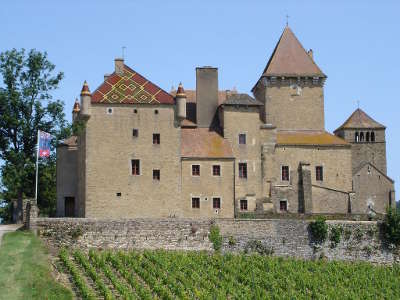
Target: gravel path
x=8, y=228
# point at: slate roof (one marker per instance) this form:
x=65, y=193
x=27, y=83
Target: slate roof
x=130, y=88
x=309, y=138
x=203, y=143
x=191, y=95
x=359, y=120
x=241, y=99
x=289, y=58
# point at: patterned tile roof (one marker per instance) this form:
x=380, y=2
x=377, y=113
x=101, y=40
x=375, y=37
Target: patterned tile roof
x=359, y=120
x=203, y=143
x=130, y=88
x=314, y=138
x=291, y=59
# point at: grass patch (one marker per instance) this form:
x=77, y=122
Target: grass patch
x=25, y=271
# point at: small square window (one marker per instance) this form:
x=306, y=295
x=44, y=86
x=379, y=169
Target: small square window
x=217, y=203
x=119, y=194
x=156, y=174
x=135, y=132
x=285, y=173
x=135, y=111
x=319, y=173
x=283, y=205
x=242, y=139
x=195, y=170
x=156, y=112
x=243, y=204
x=242, y=170
x=156, y=139
x=135, y=167
x=109, y=111
x=216, y=170
x=196, y=202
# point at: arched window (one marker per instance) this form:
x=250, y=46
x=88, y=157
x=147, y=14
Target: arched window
x=361, y=136
x=356, y=137
x=372, y=136
x=367, y=137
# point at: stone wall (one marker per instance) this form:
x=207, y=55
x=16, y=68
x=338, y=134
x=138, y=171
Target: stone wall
x=360, y=240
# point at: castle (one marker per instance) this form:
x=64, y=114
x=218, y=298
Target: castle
x=144, y=152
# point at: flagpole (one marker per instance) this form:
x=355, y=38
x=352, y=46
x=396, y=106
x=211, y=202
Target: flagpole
x=37, y=167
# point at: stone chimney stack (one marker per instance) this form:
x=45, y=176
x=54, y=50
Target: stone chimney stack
x=106, y=76
x=119, y=66
x=206, y=95
x=311, y=54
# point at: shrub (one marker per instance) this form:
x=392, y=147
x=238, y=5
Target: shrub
x=215, y=237
x=257, y=246
x=335, y=235
x=231, y=241
x=391, y=227
x=319, y=230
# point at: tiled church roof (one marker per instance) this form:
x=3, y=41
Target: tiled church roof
x=130, y=88
x=291, y=59
x=309, y=138
x=358, y=120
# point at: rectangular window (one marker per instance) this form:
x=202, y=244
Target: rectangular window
x=216, y=170
x=196, y=202
x=243, y=204
x=283, y=205
x=242, y=170
x=156, y=139
x=135, y=132
x=156, y=174
x=285, y=173
x=135, y=167
x=217, y=203
x=319, y=173
x=195, y=170
x=242, y=139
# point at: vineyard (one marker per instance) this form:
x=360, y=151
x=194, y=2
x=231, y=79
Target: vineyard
x=201, y=275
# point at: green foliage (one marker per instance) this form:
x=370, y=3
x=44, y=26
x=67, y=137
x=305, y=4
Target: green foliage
x=391, y=227
x=319, y=230
x=78, y=127
x=25, y=270
x=231, y=241
x=215, y=237
x=335, y=235
x=258, y=247
x=164, y=274
x=26, y=106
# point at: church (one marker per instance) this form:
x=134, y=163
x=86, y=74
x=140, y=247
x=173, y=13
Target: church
x=141, y=151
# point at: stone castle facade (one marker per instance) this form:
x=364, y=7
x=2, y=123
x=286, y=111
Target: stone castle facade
x=144, y=152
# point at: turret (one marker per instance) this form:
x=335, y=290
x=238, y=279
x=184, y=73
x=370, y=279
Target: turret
x=181, y=102
x=86, y=98
x=76, y=110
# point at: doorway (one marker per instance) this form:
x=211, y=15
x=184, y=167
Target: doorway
x=69, y=207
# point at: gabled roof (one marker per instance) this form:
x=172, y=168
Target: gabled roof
x=241, y=99
x=291, y=59
x=359, y=120
x=130, y=88
x=308, y=138
x=365, y=164
x=203, y=143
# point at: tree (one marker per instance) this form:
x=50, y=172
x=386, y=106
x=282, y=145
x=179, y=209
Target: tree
x=26, y=106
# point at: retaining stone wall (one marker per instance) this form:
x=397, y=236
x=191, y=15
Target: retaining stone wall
x=288, y=238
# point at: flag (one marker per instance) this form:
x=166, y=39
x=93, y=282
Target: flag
x=44, y=144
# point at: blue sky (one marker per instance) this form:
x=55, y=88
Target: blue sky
x=356, y=43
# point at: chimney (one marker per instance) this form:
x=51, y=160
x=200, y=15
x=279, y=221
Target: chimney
x=106, y=76
x=206, y=95
x=310, y=54
x=119, y=66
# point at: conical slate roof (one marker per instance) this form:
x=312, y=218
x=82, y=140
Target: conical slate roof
x=291, y=59
x=358, y=120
